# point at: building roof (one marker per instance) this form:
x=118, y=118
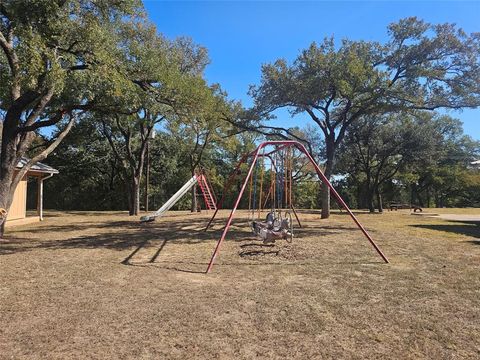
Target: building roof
x=38, y=167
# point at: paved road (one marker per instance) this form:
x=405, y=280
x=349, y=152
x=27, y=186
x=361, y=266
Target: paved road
x=458, y=217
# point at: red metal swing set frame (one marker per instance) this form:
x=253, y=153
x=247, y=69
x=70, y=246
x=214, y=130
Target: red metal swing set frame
x=279, y=145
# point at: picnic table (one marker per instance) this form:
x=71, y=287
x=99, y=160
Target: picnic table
x=396, y=206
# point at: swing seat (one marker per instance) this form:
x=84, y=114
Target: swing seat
x=273, y=228
x=270, y=236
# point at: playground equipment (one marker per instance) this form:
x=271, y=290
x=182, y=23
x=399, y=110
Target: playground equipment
x=198, y=178
x=274, y=226
x=277, y=224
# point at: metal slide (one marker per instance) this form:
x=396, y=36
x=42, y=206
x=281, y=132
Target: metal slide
x=170, y=202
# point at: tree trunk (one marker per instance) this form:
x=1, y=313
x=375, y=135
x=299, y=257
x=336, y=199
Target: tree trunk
x=379, y=201
x=361, y=203
x=194, y=207
x=329, y=165
x=370, y=200
x=417, y=195
x=8, y=162
x=325, y=198
x=147, y=173
x=130, y=200
x=370, y=193
x=412, y=194
x=134, y=197
x=437, y=199
x=6, y=198
x=7, y=190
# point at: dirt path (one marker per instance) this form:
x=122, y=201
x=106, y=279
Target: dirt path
x=460, y=217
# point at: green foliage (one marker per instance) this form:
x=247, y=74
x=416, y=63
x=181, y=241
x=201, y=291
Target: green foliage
x=69, y=47
x=88, y=179
x=105, y=63
x=422, y=66
x=305, y=195
x=409, y=158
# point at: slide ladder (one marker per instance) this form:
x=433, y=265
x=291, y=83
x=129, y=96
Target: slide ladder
x=208, y=196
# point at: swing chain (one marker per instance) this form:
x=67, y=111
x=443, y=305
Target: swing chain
x=276, y=224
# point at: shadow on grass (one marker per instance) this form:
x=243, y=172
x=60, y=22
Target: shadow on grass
x=257, y=249
x=463, y=227
x=122, y=235
x=333, y=212
x=115, y=235
x=236, y=234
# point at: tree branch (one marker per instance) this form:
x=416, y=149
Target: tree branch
x=43, y=154
x=43, y=123
x=12, y=59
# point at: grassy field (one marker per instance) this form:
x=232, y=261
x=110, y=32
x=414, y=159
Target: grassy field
x=100, y=285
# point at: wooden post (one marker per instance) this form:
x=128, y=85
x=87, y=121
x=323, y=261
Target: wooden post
x=40, y=198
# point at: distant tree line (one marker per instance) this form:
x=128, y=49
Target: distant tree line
x=421, y=159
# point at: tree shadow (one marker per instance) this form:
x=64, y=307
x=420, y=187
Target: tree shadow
x=116, y=235
x=82, y=226
x=121, y=235
x=463, y=227
x=333, y=212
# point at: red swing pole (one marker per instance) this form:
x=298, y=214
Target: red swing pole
x=277, y=149
x=340, y=200
x=230, y=217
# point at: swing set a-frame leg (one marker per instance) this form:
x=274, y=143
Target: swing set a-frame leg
x=339, y=199
x=230, y=217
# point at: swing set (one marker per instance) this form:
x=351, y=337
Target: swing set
x=278, y=223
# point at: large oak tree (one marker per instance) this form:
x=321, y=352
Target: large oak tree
x=58, y=58
x=421, y=67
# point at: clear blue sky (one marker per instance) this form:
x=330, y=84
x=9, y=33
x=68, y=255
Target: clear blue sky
x=241, y=36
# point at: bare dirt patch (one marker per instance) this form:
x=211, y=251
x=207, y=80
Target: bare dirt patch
x=100, y=285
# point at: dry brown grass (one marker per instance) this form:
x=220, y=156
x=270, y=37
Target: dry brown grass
x=71, y=288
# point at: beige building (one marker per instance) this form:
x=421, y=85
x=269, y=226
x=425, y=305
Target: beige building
x=17, y=214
